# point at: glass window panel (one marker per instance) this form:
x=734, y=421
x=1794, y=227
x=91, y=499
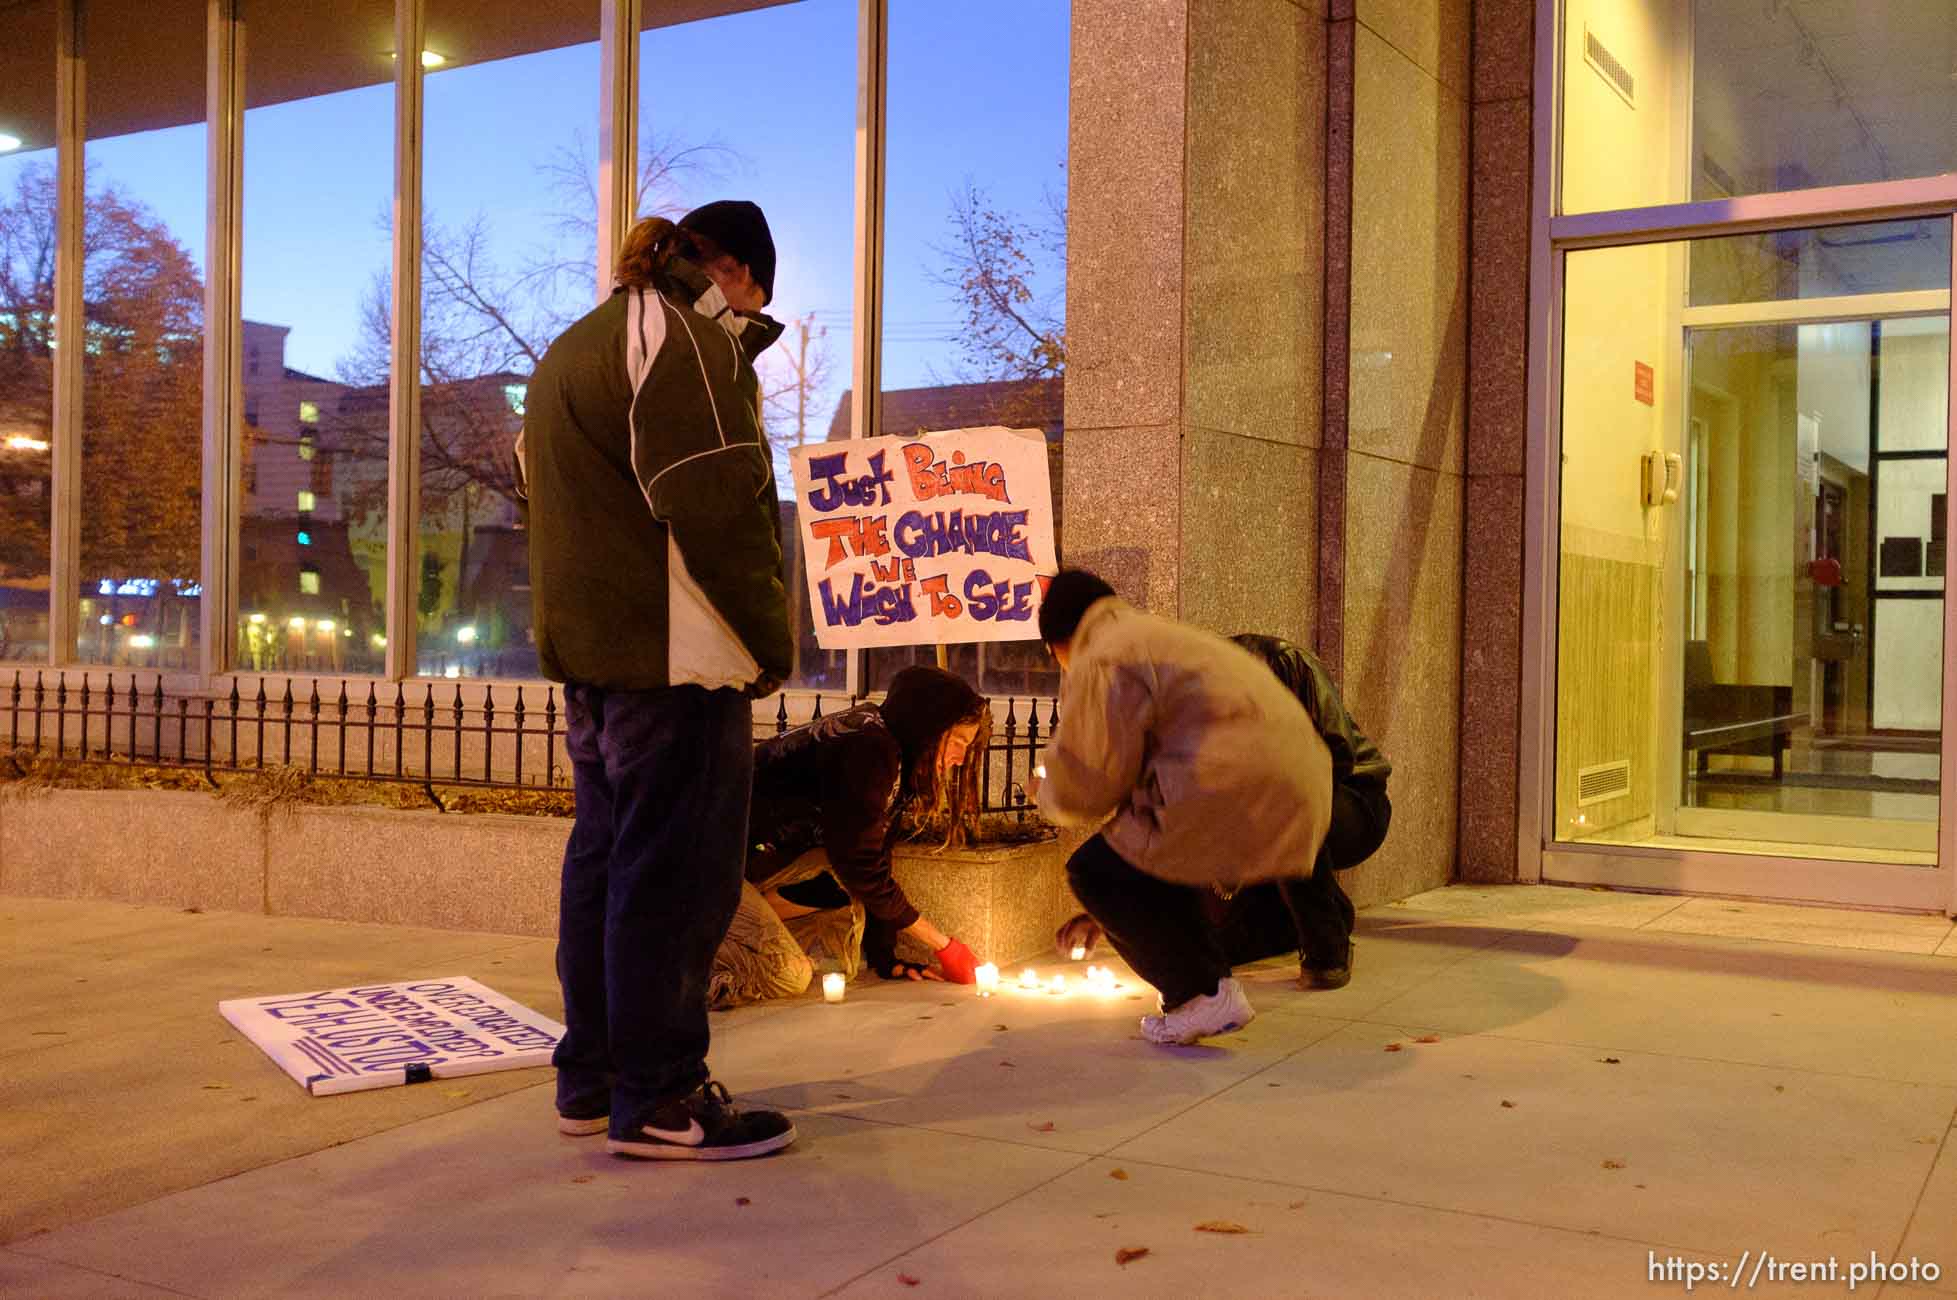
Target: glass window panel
x=27, y=223
x=508, y=262
x=975, y=256
x=1832, y=262
x=1669, y=100
x=791, y=148
x=143, y=352
x=318, y=192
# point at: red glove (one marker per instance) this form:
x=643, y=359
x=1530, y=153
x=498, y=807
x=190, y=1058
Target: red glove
x=959, y=964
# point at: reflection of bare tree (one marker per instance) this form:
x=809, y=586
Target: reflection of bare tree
x=995, y=266
x=142, y=384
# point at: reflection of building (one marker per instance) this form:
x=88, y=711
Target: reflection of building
x=315, y=507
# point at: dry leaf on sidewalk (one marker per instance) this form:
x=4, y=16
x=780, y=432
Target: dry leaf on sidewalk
x=1119, y=1175
x=1223, y=1226
x=908, y=1280
x=1508, y=1105
x=1042, y=1128
x=1609, y=1060
x=582, y=1178
x=1428, y=1038
x=1128, y=1253
x=1396, y=1047
x=455, y=1094
x=1613, y=1164
x=742, y=1200
x=216, y=1087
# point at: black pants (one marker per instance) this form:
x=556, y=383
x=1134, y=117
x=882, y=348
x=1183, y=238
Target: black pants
x=1183, y=940
x=652, y=875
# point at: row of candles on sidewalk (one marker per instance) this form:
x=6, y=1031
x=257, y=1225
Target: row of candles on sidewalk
x=1100, y=979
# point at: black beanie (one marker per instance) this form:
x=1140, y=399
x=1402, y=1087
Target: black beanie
x=742, y=233
x=923, y=704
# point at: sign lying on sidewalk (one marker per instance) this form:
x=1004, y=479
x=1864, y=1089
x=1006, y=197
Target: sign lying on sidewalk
x=345, y=1040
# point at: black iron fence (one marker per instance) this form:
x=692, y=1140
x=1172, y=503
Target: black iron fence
x=421, y=733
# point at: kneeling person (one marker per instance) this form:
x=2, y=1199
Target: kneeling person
x=1205, y=774
x=1309, y=915
x=831, y=800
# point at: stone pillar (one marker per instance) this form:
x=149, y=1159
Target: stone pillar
x=1498, y=360
x=1406, y=372
x=1195, y=308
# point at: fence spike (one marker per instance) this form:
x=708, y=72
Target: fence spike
x=550, y=735
x=488, y=733
x=517, y=713
x=156, y=744
x=342, y=727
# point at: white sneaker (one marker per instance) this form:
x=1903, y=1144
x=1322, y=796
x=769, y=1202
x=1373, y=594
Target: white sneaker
x=1212, y=1013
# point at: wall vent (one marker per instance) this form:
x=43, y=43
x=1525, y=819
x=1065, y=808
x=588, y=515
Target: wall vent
x=1602, y=782
x=1619, y=77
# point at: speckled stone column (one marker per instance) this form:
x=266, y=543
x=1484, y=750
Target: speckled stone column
x=1195, y=309
x=1498, y=360
x=1405, y=414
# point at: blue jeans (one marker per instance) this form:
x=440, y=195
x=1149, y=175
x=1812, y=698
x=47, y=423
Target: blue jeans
x=652, y=875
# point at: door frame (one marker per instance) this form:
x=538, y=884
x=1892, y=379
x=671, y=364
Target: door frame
x=1553, y=236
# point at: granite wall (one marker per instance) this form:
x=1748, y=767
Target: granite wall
x=1269, y=301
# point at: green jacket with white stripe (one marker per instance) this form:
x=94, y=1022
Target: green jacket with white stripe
x=654, y=556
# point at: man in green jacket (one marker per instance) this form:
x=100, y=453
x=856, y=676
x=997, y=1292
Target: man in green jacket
x=655, y=579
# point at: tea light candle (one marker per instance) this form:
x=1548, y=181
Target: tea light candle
x=832, y=987
x=1059, y=984
x=1029, y=978
x=988, y=979
x=1079, y=953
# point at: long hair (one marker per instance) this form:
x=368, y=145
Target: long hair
x=948, y=804
x=651, y=245
x=648, y=246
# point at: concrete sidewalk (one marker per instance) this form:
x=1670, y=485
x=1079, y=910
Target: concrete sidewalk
x=1524, y=1092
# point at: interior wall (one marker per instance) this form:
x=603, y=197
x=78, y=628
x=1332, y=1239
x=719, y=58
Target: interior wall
x=1619, y=153
x=1912, y=415
x=1744, y=381
x=1620, y=313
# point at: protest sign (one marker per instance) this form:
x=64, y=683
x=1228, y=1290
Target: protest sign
x=927, y=540
x=345, y=1040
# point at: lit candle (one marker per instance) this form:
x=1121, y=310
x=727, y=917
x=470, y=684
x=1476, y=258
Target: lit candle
x=1029, y=978
x=832, y=987
x=1079, y=953
x=1059, y=984
x=988, y=979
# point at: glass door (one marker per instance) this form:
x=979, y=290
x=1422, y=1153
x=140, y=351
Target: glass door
x=1811, y=646
x=1749, y=659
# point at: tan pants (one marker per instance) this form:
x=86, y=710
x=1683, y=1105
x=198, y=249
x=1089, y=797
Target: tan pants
x=764, y=956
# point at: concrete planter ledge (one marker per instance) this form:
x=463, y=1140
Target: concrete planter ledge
x=453, y=871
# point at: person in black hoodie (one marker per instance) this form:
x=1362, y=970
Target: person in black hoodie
x=831, y=799
x=1310, y=915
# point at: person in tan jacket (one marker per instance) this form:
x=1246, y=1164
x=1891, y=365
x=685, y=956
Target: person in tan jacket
x=1199, y=772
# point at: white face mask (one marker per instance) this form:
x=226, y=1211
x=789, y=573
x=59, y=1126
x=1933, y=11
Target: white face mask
x=713, y=304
